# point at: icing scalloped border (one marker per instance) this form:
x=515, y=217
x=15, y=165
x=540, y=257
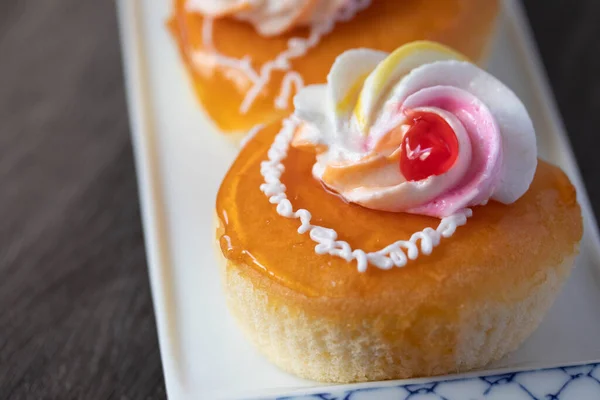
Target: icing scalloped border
x=296, y=47
x=396, y=254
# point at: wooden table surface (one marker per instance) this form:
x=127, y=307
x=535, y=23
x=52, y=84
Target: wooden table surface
x=76, y=319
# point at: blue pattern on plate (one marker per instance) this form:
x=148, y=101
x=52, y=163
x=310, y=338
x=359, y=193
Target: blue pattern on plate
x=581, y=382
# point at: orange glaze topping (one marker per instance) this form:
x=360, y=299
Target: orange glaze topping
x=462, y=24
x=499, y=239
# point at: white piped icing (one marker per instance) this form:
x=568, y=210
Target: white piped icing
x=297, y=47
x=292, y=78
x=396, y=254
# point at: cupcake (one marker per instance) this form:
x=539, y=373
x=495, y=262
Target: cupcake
x=399, y=224
x=247, y=59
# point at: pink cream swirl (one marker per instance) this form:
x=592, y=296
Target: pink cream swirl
x=418, y=131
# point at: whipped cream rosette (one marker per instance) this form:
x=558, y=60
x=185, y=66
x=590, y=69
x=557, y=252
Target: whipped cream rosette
x=420, y=130
x=270, y=17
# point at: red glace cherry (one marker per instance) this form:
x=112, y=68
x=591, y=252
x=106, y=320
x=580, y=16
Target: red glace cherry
x=429, y=147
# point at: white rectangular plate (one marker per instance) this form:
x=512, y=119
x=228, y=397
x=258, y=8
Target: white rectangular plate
x=180, y=162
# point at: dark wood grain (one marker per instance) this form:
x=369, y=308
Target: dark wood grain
x=76, y=320
x=568, y=36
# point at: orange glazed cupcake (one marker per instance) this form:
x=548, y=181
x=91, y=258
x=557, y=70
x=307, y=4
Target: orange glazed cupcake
x=398, y=225
x=248, y=58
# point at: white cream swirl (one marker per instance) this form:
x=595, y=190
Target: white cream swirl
x=359, y=121
x=270, y=17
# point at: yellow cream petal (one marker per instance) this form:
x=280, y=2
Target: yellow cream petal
x=347, y=101
x=347, y=76
x=397, y=64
